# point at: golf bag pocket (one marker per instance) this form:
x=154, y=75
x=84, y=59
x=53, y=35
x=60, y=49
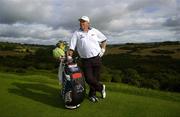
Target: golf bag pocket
x=73, y=68
x=68, y=97
x=76, y=75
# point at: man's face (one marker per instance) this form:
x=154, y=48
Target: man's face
x=84, y=24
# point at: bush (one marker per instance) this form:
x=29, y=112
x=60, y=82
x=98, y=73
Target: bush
x=117, y=75
x=132, y=77
x=159, y=51
x=105, y=77
x=31, y=68
x=20, y=70
x=150, y=83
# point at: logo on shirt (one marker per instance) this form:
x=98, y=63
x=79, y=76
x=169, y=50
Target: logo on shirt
x=81, y=36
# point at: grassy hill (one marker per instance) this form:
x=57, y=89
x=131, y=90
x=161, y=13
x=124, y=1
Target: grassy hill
x=171, y=49
x=36, y=94
x=148, y=65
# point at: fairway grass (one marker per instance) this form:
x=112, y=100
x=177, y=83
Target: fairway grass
x=38, y=96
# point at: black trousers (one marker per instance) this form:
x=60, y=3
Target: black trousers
x=91, y=69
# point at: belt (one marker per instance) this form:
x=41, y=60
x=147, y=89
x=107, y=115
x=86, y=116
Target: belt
x=90, y=58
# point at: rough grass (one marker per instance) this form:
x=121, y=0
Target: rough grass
x=34, y=95
x=145, y=50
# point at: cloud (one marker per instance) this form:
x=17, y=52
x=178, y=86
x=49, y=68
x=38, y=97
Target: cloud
x=46, y=21
x=143, y=4
x=32, y=33
x=173, y=21
x=39, y=11
x=135, y=23
x=143, y=36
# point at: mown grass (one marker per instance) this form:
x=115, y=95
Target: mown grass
x=37, y=95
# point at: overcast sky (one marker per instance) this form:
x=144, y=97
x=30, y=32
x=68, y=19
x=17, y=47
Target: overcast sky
x=122, y=21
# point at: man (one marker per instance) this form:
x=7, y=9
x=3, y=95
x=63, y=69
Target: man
x=90, y=45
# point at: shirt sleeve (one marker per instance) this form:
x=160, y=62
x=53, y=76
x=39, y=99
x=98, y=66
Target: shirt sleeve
x=101, y=36
x=73, y=41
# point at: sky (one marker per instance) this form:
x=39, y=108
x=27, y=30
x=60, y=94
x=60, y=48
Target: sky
x=121, y=21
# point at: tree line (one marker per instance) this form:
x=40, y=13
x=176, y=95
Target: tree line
x=156, y=72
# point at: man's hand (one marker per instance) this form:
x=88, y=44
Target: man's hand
x=70, y=53
x=102, y=52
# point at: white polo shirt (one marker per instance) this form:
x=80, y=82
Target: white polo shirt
x=87, y=43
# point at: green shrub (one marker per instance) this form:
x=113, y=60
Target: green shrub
x=31, y=68
x=20, y=70
x=132, y=77
x=105, y=77
x=117, y=75
x=150, y=83
x=160, y=51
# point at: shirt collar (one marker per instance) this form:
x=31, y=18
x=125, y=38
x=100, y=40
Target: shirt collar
x=82, y=29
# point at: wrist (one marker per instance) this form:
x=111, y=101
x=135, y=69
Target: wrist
x=103, y=50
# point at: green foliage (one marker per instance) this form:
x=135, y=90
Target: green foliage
x=132, y=77
x=160, y=71
x=169, y=80
x=117, y=75
x=108, y=75
x=7, y=46
x=159, y=51
x=105, y=77
x=150, y=83
x=145, y=71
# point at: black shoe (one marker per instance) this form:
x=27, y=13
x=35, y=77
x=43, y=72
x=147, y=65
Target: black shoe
x=93, y=99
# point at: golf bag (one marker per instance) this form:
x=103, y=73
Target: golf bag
x=73, y=84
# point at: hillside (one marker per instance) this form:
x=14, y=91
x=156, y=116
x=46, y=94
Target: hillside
x=149, y=65
x=37, y=95
x=171, y=49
